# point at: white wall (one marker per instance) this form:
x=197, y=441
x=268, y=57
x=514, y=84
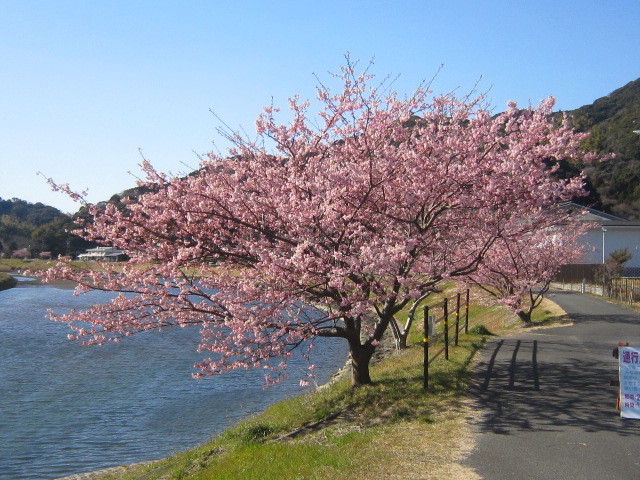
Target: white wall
x=615, y=238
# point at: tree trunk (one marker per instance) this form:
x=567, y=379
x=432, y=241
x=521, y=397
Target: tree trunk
x=399, y=335
x=360, y=359
x=525, y=316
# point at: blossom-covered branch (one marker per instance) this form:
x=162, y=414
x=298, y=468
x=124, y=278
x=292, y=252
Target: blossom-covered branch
x=358, y=211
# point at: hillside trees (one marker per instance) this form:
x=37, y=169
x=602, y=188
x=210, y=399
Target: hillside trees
x=20, y=219
x=58, y=237
x=33, y=213
x=326, y=226
x=38, y=228
x=612, y=121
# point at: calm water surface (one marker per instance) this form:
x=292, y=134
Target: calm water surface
x=65, y=408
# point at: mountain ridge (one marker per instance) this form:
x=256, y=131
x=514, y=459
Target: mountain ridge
x=611, y=121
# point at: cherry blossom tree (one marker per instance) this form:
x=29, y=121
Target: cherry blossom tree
x=517, y=270
x=325, y=226
x=21, y=253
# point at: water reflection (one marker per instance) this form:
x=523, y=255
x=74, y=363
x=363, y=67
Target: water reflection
x=21, y=278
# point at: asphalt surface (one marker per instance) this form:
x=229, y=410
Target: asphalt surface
x=547, y=410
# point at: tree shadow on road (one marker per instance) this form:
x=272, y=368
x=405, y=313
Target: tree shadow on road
x=570, y=388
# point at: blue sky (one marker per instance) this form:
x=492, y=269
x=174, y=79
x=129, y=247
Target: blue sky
x=85, y=84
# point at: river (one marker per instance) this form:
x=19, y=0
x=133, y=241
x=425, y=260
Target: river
x=67, y=408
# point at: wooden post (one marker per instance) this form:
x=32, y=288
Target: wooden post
x=457, y=317
x=466, y=314
x=425, y=344
x=445, y=308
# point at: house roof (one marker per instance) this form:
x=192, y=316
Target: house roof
x=592, y=215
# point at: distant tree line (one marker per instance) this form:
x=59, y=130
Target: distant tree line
x=35, y=229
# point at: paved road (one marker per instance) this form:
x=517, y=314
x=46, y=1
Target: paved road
x=549, y=412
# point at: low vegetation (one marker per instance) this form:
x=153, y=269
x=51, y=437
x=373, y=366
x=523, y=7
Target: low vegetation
x=391, y=429
x=17, y=265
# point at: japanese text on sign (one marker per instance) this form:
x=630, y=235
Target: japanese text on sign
x=629, y=382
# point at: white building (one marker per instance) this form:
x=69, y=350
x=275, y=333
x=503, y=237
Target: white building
x=609, y=233
x=103, y=254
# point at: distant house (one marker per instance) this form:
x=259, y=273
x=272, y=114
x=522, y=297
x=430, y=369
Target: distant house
x=609, y=233
x=606, y=233
x=104, y=254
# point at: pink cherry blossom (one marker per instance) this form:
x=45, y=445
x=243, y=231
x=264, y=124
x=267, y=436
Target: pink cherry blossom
x=518, y=269
x=326, y=226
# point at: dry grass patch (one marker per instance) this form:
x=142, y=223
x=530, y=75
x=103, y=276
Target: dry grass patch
x=426, y=451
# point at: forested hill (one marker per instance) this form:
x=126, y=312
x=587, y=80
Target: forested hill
x=612, y=120
x=35, y=228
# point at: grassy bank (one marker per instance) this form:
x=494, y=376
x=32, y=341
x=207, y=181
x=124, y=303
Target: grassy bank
x=391, y=430
x=18, y=265
x=7, y=281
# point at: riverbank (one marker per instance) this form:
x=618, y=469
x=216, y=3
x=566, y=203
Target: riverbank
x=391, y=429
x=16, y=265
x=108, y=473
x=7, y=281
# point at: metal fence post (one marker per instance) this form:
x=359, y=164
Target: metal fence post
x=466, y=313
x=445, y=308
x=425, y=344
x=457, y=317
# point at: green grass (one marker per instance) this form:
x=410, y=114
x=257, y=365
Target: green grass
x=276, y=460
x=16, y=265
x=346, y=446
x=384, y=430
